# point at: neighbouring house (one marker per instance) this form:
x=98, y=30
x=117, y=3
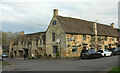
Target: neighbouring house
x=28, y=44
x=66, y=37
x=76, y=34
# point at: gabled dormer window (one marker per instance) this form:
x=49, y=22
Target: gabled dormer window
x=54, y=22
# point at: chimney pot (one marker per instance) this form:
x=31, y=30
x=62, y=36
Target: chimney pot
x=55, y=12
x=95, y=28
x=112, y=24
x=21, y=33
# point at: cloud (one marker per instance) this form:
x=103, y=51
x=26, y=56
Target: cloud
x=34, y=15
x=59, y=1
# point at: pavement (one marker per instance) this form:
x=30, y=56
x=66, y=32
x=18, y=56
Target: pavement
x=99, y=64
x=19, y=58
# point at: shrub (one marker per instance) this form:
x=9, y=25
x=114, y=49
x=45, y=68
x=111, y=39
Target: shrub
x=57, y=54
x=45, y=55
x=67, y=57
x=39, y=55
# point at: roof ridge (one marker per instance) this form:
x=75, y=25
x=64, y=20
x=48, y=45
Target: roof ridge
x=35, y=33
x=86, y=20
x=83, y=26
x=76, y=18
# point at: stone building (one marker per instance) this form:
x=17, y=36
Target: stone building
x=70, y=35
x=28, y=44
x=67, y=37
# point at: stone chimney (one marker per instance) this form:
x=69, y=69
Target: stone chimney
x=95, y=28
x=55, y=12
x=21, y=33
x=112, y=24
x=95, y=33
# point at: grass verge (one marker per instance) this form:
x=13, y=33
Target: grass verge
x=5, y=63
x=115, y=70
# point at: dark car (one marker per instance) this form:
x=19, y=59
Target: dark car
x=90, y=54
x=115, y=51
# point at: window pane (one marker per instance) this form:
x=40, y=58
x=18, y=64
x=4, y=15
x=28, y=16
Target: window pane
x=55, y=48
x=99, y=38
x=74, y=50
x=53, y=37
x=112, y=38
x=91, y=37
x=36, y=42
x=84, y=37
x=54, y=22
x=105, y=38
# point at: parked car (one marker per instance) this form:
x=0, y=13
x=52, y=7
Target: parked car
x=115, y=51
x=4, y=55
x=90, y=54
x=105, y=52
x=1, y=59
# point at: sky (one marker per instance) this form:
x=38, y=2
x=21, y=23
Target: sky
x=35, y=15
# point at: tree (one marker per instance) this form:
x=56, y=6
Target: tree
x=4, y=38
x=7, y=37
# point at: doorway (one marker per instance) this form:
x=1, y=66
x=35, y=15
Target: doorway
x=55, y=49
x=26, y=52
x=15, y=53
x=21, y=53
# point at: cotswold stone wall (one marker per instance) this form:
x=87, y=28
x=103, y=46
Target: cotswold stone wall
x=32, y=47
x=59, y=34
x=75, y=44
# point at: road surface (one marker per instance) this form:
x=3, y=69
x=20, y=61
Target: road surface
x=99, y=64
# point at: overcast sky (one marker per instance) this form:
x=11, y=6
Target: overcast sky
x=35, y=15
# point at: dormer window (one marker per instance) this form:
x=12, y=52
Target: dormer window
x=54, y=22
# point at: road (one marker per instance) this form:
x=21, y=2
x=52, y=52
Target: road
x=99, y=64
